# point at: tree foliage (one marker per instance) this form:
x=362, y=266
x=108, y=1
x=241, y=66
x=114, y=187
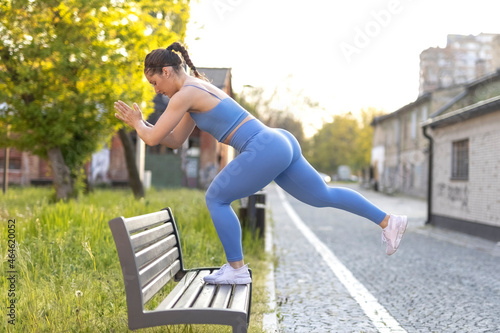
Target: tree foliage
x=344, y=141
x=260, y=106
x=64, y=62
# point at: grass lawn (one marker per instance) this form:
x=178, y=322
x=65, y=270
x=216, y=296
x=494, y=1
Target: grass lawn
x=67, y=273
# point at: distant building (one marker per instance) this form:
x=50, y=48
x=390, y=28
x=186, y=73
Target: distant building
x=464, y=59
x=399, y=158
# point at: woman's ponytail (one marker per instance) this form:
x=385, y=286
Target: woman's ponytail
x=159, y=58
x=185, y=55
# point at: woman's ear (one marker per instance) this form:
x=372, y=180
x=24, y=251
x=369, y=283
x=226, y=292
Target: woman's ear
x=166, y=71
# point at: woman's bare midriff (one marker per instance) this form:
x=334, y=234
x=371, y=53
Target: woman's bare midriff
x=228, y=139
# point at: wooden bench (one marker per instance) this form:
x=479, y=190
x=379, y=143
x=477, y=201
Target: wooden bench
x=150, y=256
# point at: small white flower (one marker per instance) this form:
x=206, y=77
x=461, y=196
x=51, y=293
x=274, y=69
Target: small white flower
x=78, y=293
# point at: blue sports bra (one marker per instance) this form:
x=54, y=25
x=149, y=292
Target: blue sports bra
x=222, y=119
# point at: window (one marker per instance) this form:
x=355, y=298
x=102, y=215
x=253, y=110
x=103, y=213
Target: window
x=460, y=160
x=414, y=124
x=14, y=163
x=424, y=113
x=396, y=137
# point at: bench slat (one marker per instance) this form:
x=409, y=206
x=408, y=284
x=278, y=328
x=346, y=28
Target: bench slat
x=150, y=236
x=223, y=296
x=152, y=252
x=142, y=222
x=206, y=296
x=240, y=297
x=154, y=268
x=177, y=292
x=158, y=282
x=192, y=292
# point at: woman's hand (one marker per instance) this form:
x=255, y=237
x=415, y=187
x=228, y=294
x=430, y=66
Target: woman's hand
x=125, y=113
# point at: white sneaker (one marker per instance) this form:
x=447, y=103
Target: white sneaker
x=393, y=233
x=228, y=275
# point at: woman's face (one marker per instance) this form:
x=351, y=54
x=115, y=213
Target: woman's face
x=161, y=83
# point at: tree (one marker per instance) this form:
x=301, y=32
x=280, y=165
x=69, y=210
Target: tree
x=344, y=141
x=260, y=106
x=286, y=120
x=252, y=100
x=364, y=140
x=133, y=172
x=62, y=65
x=333, y=144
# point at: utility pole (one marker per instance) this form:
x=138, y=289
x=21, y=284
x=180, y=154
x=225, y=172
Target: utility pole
x=5, y=185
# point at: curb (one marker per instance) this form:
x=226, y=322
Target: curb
x=270, y=320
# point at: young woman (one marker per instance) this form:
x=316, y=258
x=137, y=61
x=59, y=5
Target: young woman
x=265, y=154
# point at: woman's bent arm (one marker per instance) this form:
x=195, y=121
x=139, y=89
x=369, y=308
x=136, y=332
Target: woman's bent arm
x=181, y=132
x=163, y=132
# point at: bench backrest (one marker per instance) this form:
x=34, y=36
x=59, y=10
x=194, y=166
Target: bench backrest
x=150, y=255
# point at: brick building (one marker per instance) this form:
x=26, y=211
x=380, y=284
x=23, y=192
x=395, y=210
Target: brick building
x=25, y=168
x=464, y=187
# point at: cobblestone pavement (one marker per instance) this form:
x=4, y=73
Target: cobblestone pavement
x=438, y=281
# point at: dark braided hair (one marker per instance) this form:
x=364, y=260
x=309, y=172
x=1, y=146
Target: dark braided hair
x=159, y=58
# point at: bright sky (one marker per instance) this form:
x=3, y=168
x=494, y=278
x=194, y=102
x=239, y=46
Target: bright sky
x=345, y=55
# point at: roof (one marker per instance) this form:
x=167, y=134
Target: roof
x=423, y=98
x=217, y=76
x=441, y=113
x=468, y=87
x=468, y=112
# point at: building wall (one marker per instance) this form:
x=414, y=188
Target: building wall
x=209, y=161
x=404, y=166
x=495, y=49
x=477, y=199
x=165, y=170
x=117, y=166
x=441, y=97
x=25, y=168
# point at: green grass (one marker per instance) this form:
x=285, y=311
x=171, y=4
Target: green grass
x=68, y=276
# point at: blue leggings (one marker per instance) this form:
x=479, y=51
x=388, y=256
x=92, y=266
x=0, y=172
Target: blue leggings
x=268, y=154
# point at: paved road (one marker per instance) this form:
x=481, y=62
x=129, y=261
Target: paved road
x=438, y=281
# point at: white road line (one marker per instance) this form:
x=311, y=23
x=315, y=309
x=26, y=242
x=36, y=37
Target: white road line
x=379, y=316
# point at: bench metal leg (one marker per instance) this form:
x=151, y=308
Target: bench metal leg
x=241, y=326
